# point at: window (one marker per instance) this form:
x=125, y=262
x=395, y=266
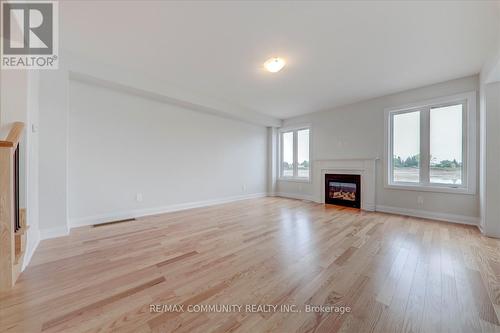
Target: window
x=406, y=147
x=446, y=146
x=303, y=153
x=432, y=146
x=287, y=164
x=294, y=155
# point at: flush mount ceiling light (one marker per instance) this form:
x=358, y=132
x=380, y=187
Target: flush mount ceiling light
x=274, y=65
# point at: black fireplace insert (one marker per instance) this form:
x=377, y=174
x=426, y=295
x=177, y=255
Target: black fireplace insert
x=344, y=190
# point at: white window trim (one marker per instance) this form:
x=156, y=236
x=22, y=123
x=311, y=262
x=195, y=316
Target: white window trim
x=469, y=142
x=295, y=148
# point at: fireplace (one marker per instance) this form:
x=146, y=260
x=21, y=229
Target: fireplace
x=344, y=190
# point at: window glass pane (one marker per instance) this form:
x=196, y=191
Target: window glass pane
x=303, y=153
x=287, y=163
x=406, y=147
x=446, y=145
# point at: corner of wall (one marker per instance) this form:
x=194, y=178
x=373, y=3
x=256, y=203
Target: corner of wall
x=272, y=156
x=34, y=241
x=54, y=232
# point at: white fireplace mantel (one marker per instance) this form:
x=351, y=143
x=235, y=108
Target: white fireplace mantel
x=366, y=168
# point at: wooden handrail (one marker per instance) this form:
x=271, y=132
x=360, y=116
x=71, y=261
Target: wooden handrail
x=13, y=225
x=14, y=135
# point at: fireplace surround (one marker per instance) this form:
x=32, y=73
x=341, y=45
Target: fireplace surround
x=343, y=189
x=365, y=167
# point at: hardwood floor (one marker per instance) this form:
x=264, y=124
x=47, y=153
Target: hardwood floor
x=397, y=274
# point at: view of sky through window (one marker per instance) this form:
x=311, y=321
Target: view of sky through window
x=303, y=153
x=446, y=144
x=287, y=162
x=406, y=147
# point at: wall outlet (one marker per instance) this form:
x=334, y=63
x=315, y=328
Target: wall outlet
x=420, y=201
x=138, y=197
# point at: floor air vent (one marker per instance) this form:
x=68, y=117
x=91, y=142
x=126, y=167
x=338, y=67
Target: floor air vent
x=113, y=222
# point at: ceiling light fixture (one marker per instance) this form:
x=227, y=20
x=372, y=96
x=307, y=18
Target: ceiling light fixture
x=274, y=65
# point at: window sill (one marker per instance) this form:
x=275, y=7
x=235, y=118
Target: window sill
x=430, y=188
x=294, y=179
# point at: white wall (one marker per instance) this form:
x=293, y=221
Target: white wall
x=490, y=141
x=272, y=159
x=121, y=144
x=53, y=114
x=490, y=212
x=54, y=140
x=13, y=103
x=357, y=131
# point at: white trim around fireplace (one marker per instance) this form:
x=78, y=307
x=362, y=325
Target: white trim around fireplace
x=366, y=168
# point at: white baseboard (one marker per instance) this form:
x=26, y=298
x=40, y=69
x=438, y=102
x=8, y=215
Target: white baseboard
x=462, y=219
x=102, y=218
x=96, y=219
x=34, y=240
x=486, y=233
x=294, y=196
x=54, y=232
x=368, y=207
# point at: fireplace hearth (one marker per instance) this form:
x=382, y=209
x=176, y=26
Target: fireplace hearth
x=344, y=190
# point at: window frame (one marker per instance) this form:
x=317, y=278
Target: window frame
x=469, y=147
x=295, y=177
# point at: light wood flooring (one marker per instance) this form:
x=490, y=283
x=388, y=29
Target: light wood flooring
x=396, y=273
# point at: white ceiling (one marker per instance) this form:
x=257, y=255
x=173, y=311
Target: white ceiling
x=337, y=52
